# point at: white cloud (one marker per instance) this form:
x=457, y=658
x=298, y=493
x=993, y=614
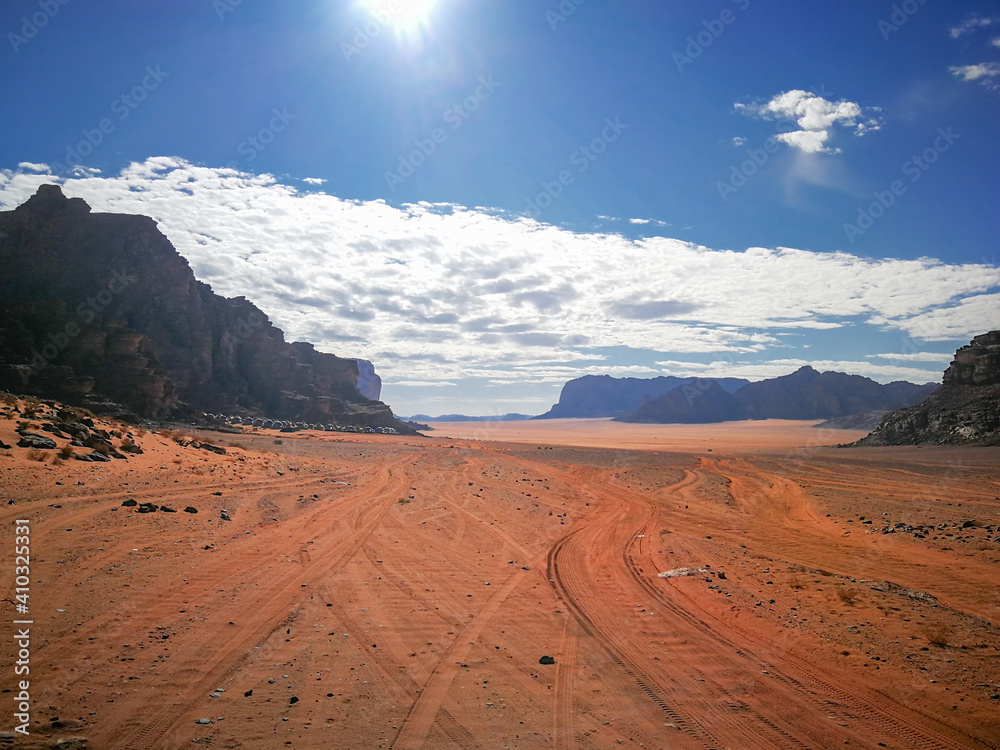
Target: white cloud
x=975, y=72
x=814, y=116
x=972, y=23
x=432, y=292
x=32, y=167
x=314, y=180
x=944, y=357
x=996, y=42
x=738, y=141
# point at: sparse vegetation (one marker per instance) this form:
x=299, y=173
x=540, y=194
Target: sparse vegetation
x=37, y=455
x=128, y=443
x=937, y=633
x=848, y=596
x=796, y=582
x=279, y=442
x=66, y=452
x=403, y=501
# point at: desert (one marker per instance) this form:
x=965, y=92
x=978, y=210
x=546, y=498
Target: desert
x=400, y=592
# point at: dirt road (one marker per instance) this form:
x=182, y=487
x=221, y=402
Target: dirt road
x=372, y=591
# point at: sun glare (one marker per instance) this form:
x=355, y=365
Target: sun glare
x=404, y=16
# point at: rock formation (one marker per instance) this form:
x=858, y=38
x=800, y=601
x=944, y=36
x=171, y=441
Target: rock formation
x=804, y=394
x=964, y=410
x=101, y=306
x=605, y=396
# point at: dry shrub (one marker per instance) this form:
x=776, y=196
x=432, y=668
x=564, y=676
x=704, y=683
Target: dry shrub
x=796, y=583
x=128, y=443
x=103, y=448
x=66, y=452
x=177, y=461
x=937, y=633
x=37, y=455
x=279, y=442
x=232, y=444
x=7, y=399
x=139, y=431
x=848, y=596
x=56, y=461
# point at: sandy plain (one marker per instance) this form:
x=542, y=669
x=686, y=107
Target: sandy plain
x=398, y=592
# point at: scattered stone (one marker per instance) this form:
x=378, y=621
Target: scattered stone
x=889, y=587
x=130, y=503
x=216, y=493
x=547, y=660
x=190, y=509
x=40, y=442
x=4, y=445
x=148, y=508
x=202, y=721
x=167, y=509
x=293, y=700
x=969, y=525
x=722, y=576
x=681, y=572
x=93, y=456
x=224, y=515
x=248, y=693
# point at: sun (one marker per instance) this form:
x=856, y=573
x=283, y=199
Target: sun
x=404, y=16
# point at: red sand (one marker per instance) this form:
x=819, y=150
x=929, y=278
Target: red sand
x=410, y=607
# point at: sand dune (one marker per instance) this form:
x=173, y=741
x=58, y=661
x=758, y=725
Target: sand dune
x=377, y=591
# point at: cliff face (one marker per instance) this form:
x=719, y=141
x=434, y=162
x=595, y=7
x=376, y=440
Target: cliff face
x=605, y=396
x=964, y=410
x=804, y=394
x=103, y=304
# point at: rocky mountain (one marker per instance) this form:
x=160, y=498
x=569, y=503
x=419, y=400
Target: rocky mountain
x=964, y=410
x=97, y=307
x=688, y=404
x=605, y=396
x=464, y=418
x=804, y=394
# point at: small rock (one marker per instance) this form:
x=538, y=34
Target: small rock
x=167, y=509
x=202, y=721
x=547, y=660
x=148, y=508
x=190, y=509
x=31, y=440
x=224, y=515
x=248, y=693
x=293, y=700
x=129, y=503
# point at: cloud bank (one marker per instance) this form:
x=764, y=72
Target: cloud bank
x=441, y=293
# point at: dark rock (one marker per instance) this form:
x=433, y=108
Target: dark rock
x=148, y=508
x=190, y=509
x=4, y=445
x=165, y=345
x=547, y=660
x=167, y=509
x=130, y=503
x=94, y=456
x=722, y=576
x=248, y=693
x=224, y=515
x=964, y=410
x=605, y=396
x=293, y=700
x=969, y=525
x=31, y=440
x=209, y=447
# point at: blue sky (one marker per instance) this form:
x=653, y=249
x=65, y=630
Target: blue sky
x=489, y=198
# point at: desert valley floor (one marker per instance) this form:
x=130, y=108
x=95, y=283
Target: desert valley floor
x=375, y=591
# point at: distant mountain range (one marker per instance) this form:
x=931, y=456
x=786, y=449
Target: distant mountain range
x=464, y=418
x=604, y=396
x=804, y=394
